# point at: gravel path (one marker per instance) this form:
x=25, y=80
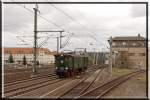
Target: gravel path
x=133, y=88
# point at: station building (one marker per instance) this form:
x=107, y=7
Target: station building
x=44, y=55
x=129, y=51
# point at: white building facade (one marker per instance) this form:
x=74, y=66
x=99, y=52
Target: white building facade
x=44, y=55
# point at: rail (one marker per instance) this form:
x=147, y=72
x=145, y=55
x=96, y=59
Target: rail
x=101, y=90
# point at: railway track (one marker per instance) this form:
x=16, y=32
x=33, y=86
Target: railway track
x=36, y=86
x=21, y=67
x=82, y=86
x=19, y=76
x=45, y=88
x=78, y=85
x=17, y=71
x=101, y=90
x=38, y=77
x=29, y=79
x=94, y=68
x=22, y=87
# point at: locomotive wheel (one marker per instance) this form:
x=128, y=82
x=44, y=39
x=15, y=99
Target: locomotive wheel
x=68, y=74
x=72, y=74
x=59, y=74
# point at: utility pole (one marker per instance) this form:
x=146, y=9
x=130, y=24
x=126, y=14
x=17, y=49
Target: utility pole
x=114, y=57
x=103, y=58
x=97, y=57
x=110, y=56
x=94, y=57
x=35, y=41
x=60, y=38
x=57, y=44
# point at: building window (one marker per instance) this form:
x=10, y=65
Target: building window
x=134, y=44
x=7, y=51
x=113, y=44
x=124, y=43
x=19, y=51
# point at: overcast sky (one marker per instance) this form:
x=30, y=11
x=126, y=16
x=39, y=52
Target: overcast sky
x=87, y=23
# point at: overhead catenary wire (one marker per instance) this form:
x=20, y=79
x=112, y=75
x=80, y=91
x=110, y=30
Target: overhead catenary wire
x=73, y=19
x=24, y=41
x=67, y=40
x=67, y=16
x=42, y=17
x=49, y=21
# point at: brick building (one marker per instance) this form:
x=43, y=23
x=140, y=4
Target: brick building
x=129, y=51
x=44, y=55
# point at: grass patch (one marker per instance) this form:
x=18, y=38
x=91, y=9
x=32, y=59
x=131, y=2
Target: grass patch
x=142, y=77
x=120, y=71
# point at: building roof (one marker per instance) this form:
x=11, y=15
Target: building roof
x=137, y=38
x=129, y=38
x=26, y=50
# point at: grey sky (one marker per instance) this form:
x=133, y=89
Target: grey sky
x=99, y=20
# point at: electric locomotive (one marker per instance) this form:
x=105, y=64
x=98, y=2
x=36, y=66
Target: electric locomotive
x=70, y=64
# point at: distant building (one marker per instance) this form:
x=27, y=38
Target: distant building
x=44, y=55
x=129, y=51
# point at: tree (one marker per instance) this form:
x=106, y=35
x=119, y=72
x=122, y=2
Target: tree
x=24, y=60
x=10, y=60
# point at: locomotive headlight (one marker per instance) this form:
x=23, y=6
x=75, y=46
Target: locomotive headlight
x=56, y=67
x=66, y=68
x=61, y=61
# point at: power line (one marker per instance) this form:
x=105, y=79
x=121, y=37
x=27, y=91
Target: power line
x=64, y=14
x=42, y=17
x=70, y=17
x=49, y=21
x=73, y=19
x=23, y=40
x=67, y=40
